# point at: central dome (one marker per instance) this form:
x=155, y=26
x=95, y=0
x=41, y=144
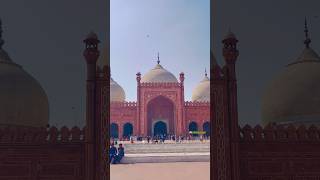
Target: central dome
x=159, y=75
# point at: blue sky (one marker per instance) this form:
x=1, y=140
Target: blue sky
x=179, y=30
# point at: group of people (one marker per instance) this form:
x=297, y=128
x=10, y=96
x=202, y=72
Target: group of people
x=115, y=155
x=161, y=138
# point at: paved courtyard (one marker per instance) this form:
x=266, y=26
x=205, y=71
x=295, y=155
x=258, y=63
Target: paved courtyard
x=161, y=171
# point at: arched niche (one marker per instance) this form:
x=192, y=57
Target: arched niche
x=162, y=109
x=114, y=130
x=127, y=130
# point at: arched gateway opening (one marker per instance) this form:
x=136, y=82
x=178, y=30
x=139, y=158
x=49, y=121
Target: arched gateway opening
x=193, y=127
x=160, y=128
x=127, y=130
x=160, y=116
x=114, y=130
x=206, y=128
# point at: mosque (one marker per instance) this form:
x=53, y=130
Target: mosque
x=292, y=97
x=160, y=107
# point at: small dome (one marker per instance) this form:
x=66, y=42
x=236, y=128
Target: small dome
x=92, y=35
x=294, y=95
x=202, y=91
x=117, y=93
x=230, y=35
x=158, y=74
x=23, y=101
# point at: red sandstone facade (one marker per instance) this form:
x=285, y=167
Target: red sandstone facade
x=159, y=102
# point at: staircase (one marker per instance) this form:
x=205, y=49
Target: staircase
x=168, y=152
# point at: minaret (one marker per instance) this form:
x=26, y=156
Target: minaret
x=231, y=53
x=91, y=54
x=137, y=130
x=181, y=126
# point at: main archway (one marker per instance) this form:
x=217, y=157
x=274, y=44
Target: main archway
x=160, y=109
x=160, y=128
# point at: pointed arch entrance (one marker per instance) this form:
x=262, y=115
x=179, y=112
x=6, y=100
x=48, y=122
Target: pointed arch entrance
x=127, y=130
x=206, y=128
x=114, y=130
x=160, y=116
x=193, y=126
x=160, y=128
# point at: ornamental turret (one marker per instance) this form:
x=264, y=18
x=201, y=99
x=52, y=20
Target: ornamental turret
x=181, y=77
x=230, y=53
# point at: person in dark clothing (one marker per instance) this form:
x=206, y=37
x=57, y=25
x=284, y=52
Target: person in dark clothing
x=120, y=154
x=112, y=153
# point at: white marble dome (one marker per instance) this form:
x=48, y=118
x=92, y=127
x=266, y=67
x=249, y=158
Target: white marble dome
x=117, y=93
x=293, y=96
x=23, y=102
x=159, y=75
x=201, y=92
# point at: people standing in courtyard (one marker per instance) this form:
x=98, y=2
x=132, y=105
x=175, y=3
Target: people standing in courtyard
x=148, y=139
x=131, y=139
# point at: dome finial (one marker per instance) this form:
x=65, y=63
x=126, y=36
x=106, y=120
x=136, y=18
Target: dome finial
x=158, y=61
x=307, y=41
x=1, y=40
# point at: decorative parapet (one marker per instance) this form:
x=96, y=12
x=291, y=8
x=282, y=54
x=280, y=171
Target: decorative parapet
x=123, y=104
x=160, y=84
x=279, y=133
x=41, y=135
x=195, y=103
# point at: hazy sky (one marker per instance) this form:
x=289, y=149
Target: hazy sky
x=179, y=30
x=45, y=37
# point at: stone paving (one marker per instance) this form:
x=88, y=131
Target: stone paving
x=161, y=171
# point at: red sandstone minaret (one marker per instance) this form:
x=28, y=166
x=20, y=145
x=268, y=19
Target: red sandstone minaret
x=137, y=123
x=91, y=54
x=231, y=53
x=182, y=126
